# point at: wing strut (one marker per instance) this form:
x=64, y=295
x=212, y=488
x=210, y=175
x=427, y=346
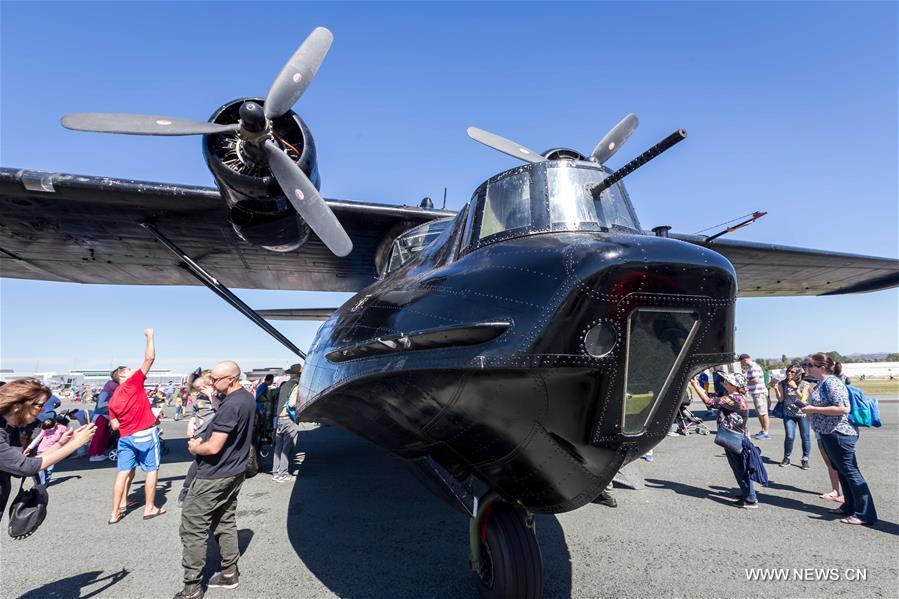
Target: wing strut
x=220, y=290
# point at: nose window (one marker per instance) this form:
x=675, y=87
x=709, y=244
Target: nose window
x=656, y=344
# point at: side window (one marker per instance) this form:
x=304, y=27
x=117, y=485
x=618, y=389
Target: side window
x=412, y=242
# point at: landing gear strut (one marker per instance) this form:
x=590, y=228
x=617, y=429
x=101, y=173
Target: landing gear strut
x=505, y=555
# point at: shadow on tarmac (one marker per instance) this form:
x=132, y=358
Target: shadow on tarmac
x=72, y=586
x=818, y=512
x=365, y=527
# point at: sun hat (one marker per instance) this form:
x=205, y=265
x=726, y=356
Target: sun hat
x=735, y=379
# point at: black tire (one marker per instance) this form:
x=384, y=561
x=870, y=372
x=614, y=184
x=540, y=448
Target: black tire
x=512, y=567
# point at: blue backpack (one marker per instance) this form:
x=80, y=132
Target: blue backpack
x=863, y=409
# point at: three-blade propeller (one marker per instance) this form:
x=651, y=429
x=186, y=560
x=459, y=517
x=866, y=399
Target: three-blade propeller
x=287, y=88
x=607, y=146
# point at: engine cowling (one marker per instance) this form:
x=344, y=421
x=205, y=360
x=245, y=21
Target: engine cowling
x=257, y=208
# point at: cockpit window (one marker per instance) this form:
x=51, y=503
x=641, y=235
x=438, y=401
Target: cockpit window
x=549, y=196
x=412, y=242
x=507, y=205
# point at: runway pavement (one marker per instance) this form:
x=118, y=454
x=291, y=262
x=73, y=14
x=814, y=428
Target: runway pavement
x=356, y=524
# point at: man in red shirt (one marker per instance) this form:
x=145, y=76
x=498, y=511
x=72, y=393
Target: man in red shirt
x=130, y=414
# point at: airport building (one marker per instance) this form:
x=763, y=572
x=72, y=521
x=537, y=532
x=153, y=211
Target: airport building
x=93, y=378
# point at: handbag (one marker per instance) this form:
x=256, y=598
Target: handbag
x=729, y=439
x=28, y=510
x=778, y=411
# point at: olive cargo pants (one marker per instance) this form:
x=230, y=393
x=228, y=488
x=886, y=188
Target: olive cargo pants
x=211, y=504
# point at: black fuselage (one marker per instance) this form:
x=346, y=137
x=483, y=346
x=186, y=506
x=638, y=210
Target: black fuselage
x=485, y=360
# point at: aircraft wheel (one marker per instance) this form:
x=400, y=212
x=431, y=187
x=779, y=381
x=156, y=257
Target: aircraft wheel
x=511, y=564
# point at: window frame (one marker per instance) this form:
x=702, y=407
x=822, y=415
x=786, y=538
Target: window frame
x=675, y=366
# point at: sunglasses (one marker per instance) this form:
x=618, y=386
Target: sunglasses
x=213, y=380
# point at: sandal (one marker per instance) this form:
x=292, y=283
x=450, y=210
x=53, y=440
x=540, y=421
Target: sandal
x=130, y=506
x=117, y=519
x=829, y=496
x=158, y=513
x=853, y=520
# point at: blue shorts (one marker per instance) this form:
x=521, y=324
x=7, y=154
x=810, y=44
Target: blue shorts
x=140, y=449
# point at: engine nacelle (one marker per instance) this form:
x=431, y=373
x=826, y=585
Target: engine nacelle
x=258, y=210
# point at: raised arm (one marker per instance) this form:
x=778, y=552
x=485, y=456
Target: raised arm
x=697, y=388
x=149, y=352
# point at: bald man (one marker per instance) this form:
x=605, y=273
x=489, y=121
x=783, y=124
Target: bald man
x=222, y=451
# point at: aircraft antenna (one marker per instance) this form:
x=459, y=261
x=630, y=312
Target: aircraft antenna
x=444, y=199
x=755, y=216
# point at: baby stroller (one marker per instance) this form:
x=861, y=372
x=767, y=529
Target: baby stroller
x=687, y=422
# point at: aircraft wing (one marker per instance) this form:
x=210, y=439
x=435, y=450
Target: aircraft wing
x=59, y=227
x=766, y=270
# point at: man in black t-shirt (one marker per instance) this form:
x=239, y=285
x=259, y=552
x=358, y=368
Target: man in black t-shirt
x=222, y=451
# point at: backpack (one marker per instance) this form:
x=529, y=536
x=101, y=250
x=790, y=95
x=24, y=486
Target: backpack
x=864, y=410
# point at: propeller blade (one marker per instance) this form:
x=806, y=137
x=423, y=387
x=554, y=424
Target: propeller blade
x=615, y=138
x=301, y=193
x=140, y=124
x=506, y=146
x=298, y=73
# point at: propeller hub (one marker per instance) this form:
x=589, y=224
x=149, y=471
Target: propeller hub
x=252, y=118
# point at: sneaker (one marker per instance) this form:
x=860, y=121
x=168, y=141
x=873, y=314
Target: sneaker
x=761, y=436
x=96, y=458
x=785, y=462
x=220, y=580
x=648, y=457
x=804, y=465
x=748, y=505
x=606, y=499
x=191, y=592
x=282, y=479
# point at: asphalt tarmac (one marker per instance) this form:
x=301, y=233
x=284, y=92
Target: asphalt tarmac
x=357, y=524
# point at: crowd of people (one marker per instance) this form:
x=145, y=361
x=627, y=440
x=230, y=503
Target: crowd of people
x=229, y=418
x=225, y=432
x=812, y=397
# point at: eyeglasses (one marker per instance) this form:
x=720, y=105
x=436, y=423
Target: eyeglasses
x=213, y=380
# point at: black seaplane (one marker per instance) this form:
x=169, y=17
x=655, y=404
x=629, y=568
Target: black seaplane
x=536, y=341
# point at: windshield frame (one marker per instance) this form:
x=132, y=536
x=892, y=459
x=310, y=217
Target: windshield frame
x=540, y=211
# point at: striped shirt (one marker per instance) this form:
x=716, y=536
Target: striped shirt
x=755, y=372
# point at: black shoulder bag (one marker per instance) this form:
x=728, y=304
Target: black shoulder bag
x=28, y=509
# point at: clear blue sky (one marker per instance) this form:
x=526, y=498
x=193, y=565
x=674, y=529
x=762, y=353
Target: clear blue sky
x=790, y=108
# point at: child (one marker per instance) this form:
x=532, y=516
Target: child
x=51, y=433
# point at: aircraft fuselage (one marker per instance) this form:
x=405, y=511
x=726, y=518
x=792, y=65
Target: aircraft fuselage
x=540, y=363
